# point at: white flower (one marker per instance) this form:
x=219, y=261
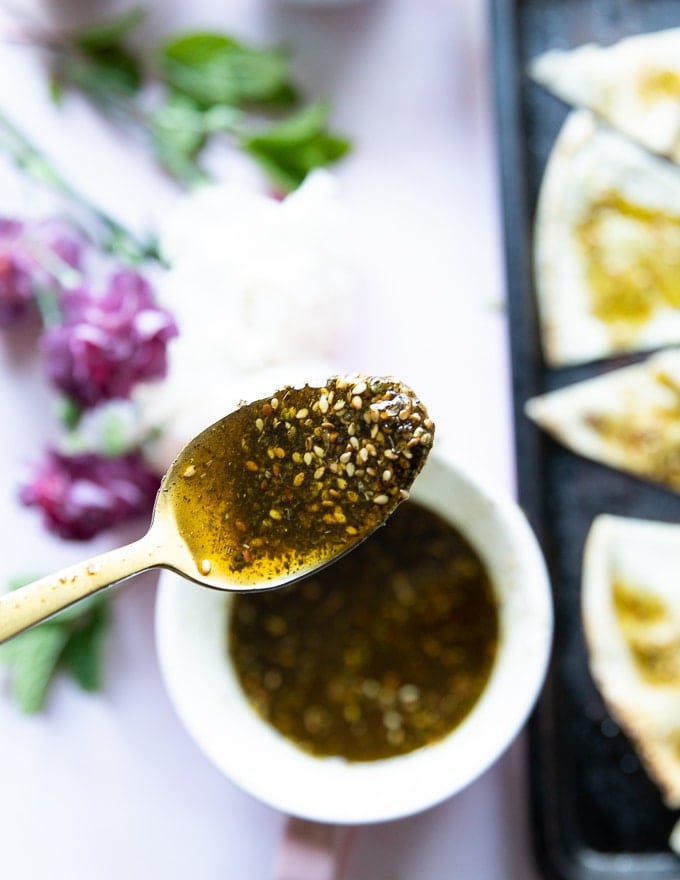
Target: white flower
x=254, y=281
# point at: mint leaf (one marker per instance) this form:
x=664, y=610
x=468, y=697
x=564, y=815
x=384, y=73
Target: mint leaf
x=290, y=149
x=83, y=653
x=72, y=640
x=78, y=613
x=110, y=32
x=217, y=69
x=104, y=74
x=33, y=657
x=101, y=64
x=222, y=117
x=177, y=136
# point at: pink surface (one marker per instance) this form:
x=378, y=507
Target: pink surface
x=111, y=786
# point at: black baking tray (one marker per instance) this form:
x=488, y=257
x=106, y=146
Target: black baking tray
x=595, y=813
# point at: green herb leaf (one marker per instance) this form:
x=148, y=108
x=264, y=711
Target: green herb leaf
x=33, y=657
x=83, y=653
x=110, y=32
x=72, y=640
x=78, y=616
x=222, y=117
x=105, y=74
x=290, y=149
x=177, y=136
x=217, y=69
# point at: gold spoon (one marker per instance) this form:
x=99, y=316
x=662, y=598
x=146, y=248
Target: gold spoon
x=276, y=489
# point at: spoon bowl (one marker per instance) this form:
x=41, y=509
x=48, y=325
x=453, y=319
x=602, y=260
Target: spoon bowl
x=273, y=491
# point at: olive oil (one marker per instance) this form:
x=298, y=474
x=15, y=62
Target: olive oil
x=379, y=654
x=290, y=481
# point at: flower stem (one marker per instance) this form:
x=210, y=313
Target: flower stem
x=112, y=236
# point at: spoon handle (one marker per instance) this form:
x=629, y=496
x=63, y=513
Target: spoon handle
x=35, y=602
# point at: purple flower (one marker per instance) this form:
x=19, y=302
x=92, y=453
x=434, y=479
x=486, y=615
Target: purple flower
x=106, y=344
x=82, y=495
x=58, y=238
x=29, y=256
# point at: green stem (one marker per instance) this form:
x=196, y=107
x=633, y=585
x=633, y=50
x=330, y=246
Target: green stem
x=48, y=305
x=111, y=236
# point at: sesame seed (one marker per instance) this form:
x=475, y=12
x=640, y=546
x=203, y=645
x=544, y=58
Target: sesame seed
x=380, y=499
x=323, y=403
x=189, y=471
x=357, y=402
x=409, y=694
x=392, y=720
x=206, y=566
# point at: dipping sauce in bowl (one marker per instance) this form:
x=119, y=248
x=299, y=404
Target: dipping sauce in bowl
x=445, y=730
x=379, y=654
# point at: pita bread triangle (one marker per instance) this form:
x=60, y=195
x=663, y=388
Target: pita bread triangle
x=627, y=418
x=631, y=617
x=606, y=246
x=633, y=84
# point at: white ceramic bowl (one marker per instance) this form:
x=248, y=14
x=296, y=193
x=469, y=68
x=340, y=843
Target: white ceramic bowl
x=191, y=632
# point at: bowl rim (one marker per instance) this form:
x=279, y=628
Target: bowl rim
x=207, y=698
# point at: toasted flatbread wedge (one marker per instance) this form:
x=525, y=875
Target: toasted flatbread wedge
x=633, y=84
x=631, y=619
x=606, y=246
x=628, y=418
